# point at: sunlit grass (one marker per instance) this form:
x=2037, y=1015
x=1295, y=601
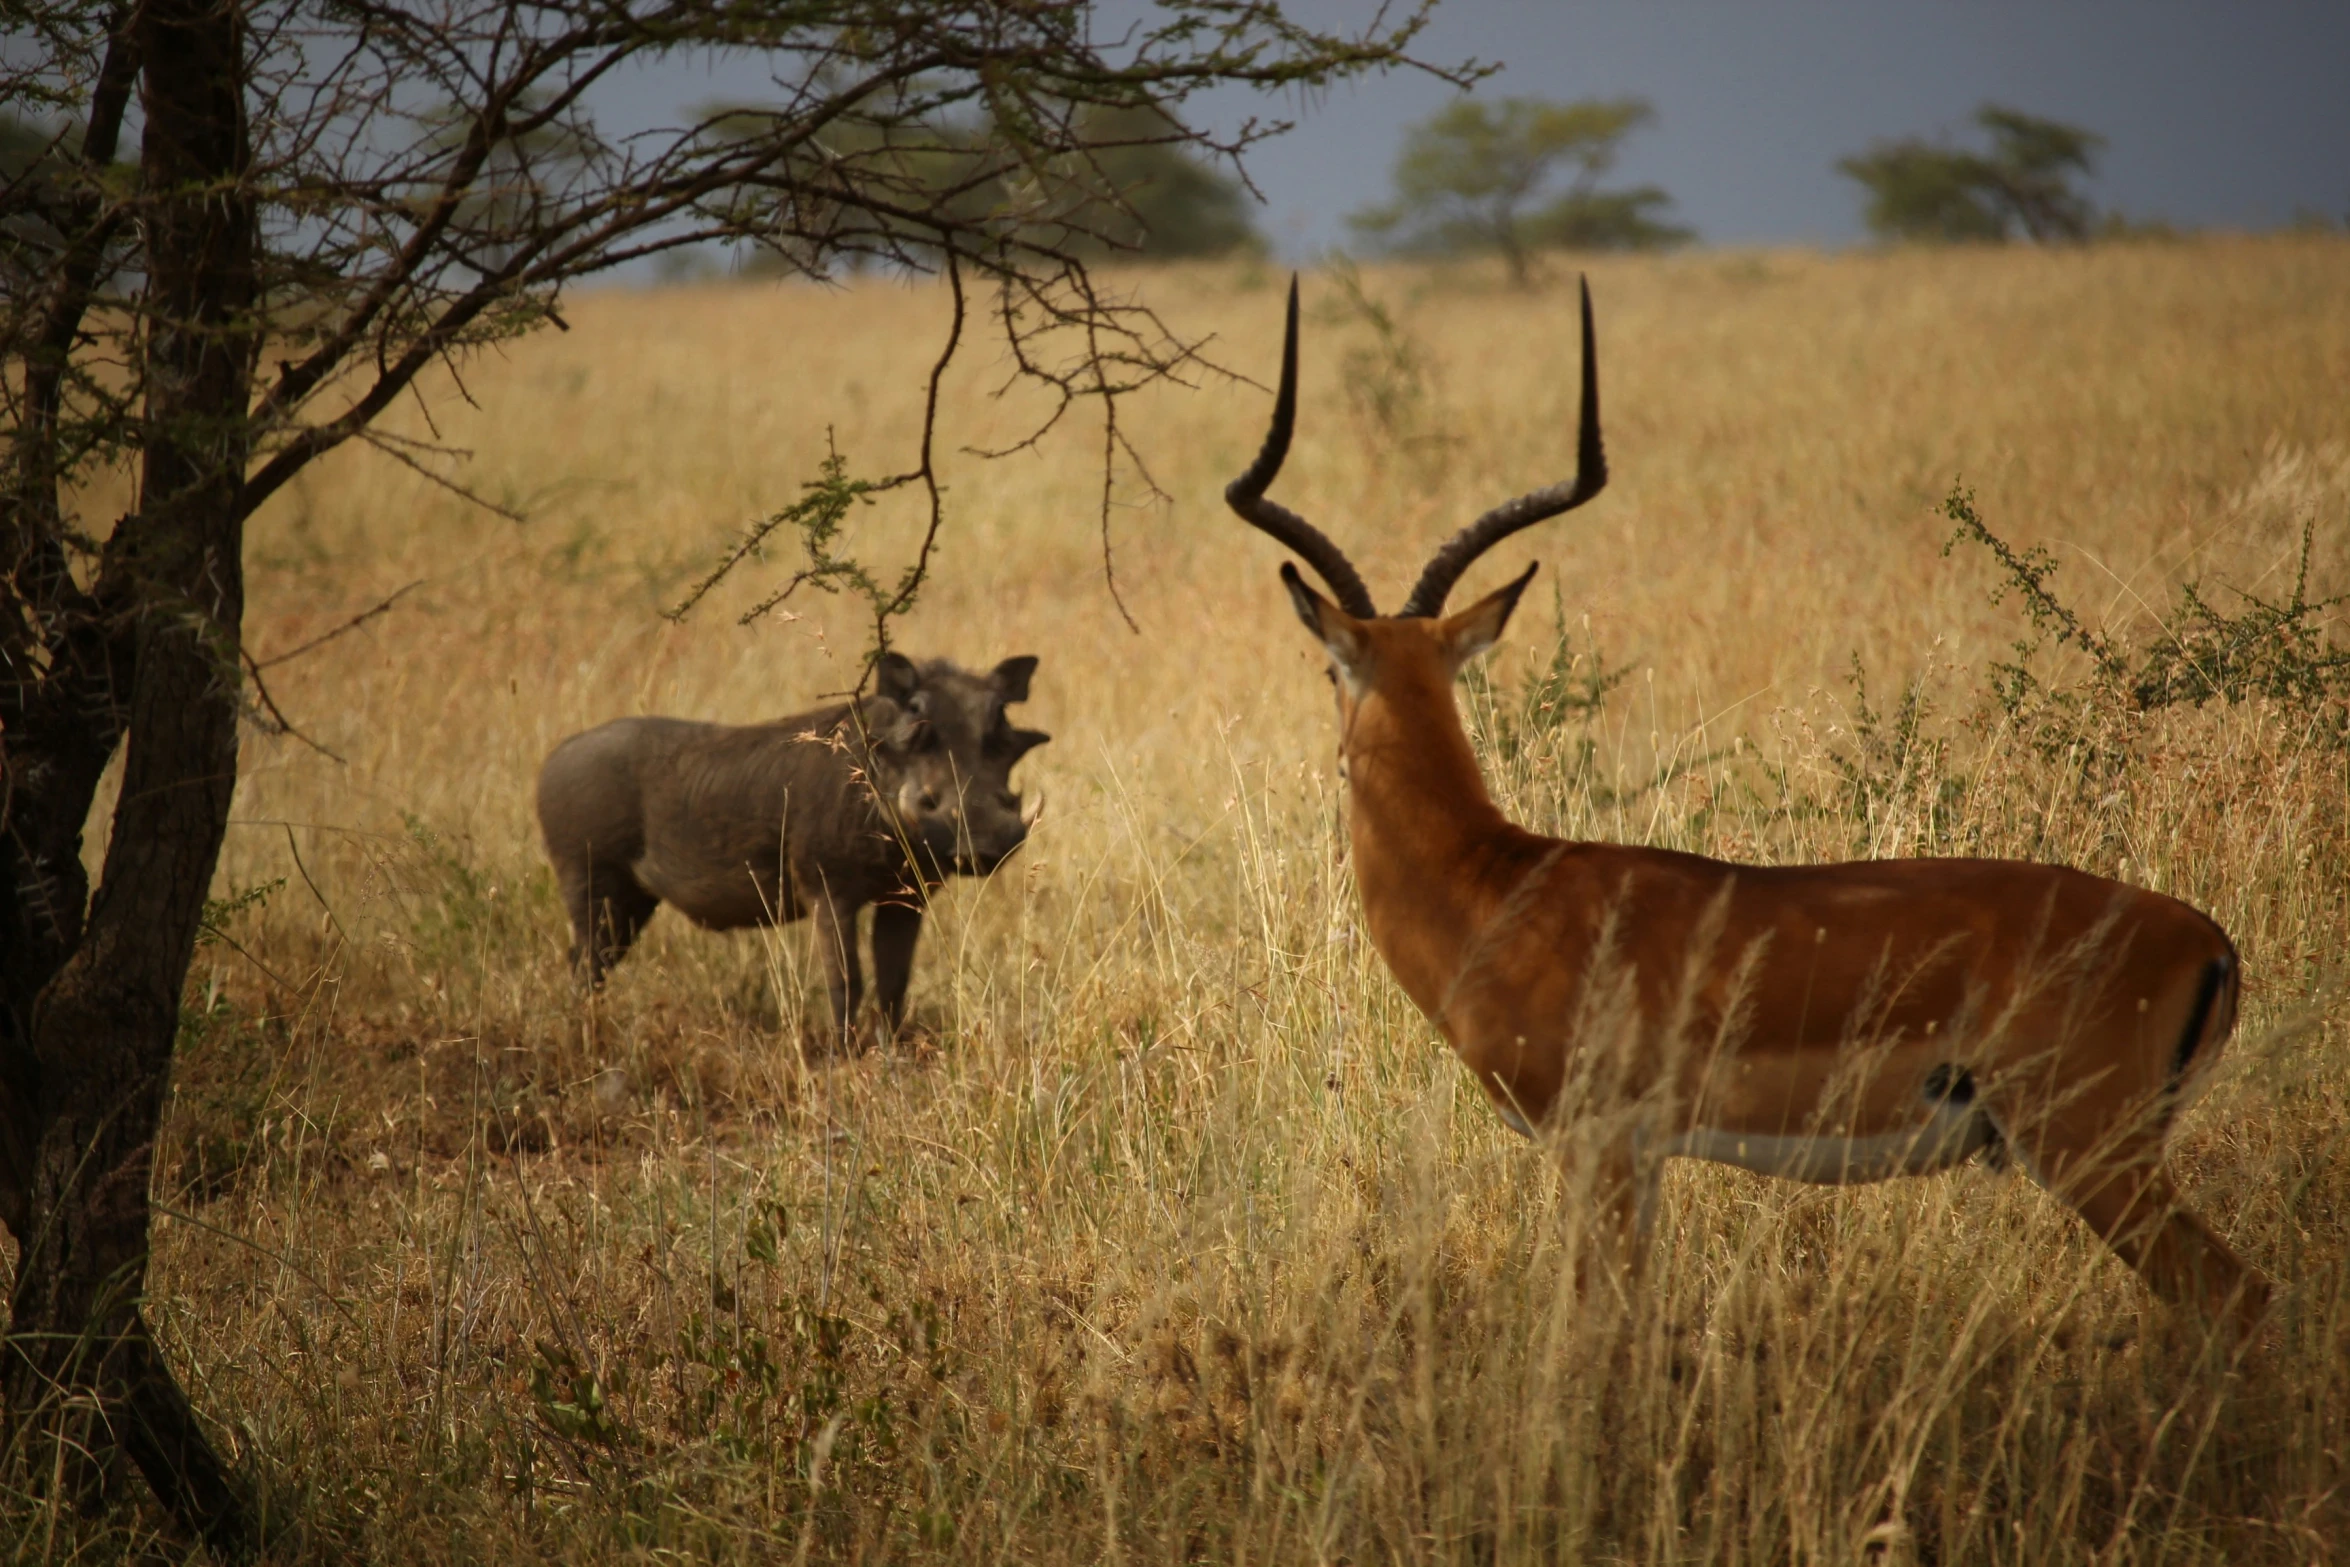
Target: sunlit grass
x=1173, y=1235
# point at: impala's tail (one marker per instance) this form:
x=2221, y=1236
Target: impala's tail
x=2213, y=1017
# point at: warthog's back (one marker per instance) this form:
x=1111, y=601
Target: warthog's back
x=718, y=820
x=590, y=805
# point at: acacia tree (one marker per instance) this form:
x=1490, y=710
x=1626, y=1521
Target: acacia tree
x=1923, y=190
x=1470, y=178
x=329, y=198
x=1155, y=189
x=1176, y=202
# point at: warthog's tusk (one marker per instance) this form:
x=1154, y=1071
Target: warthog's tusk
x=1033, y=811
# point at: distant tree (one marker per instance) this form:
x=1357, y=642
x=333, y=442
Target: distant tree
x=1608, y=220
x=25, y=151
x=1923, y=190
x=1131, y=180
x=36, y=161
x=22, y=144
x=1153, y=193
x=1473, y=178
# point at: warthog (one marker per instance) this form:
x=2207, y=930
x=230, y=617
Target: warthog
x=873, y=801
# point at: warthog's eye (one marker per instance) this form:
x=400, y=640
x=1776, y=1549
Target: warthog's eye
x=929, y=800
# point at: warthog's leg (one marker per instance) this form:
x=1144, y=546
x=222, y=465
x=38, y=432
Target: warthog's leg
x=608, y=908
x=896, y=927
x=844, y=977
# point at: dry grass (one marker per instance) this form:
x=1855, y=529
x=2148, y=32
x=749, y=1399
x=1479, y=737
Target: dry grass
x=1175, y=1237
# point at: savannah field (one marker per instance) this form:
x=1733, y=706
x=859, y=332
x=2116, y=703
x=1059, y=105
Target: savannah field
x=1172, y=1234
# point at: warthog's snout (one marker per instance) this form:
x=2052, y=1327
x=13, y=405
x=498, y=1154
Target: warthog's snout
x=946, y=755
x=983, y=855
x=965, y=833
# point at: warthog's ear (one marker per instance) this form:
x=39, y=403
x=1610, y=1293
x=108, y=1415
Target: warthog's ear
x=1023, y=741
x=895, y=677
x=1011, y=677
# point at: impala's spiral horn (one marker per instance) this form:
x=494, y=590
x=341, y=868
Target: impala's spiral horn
x=1462, y=550
x=1246, y=494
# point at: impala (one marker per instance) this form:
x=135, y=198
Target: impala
x=1827, y=1023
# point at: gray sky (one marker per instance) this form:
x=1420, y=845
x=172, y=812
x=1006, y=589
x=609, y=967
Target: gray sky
x=2215, y=115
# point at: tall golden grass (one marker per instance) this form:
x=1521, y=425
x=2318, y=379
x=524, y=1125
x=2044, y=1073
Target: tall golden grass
x=1173, y=1235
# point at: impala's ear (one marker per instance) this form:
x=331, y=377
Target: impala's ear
x=1478, y=627
x=1340, y=634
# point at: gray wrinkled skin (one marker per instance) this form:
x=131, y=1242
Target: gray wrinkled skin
x=875, y=801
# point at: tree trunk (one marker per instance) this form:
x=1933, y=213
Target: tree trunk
x=82, y=1377
x=1512, y=245
x=64, y=666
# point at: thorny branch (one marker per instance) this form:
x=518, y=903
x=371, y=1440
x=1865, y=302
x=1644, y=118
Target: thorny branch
x=352, y=624
x=903, y=600
x=271, y=717
x=432, y=174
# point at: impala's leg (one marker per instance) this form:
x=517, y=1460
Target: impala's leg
x=2182, y=1259
x=1624, y=1197
x=2106, y=1164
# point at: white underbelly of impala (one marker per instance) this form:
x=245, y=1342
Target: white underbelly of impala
x=1947, y=1137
